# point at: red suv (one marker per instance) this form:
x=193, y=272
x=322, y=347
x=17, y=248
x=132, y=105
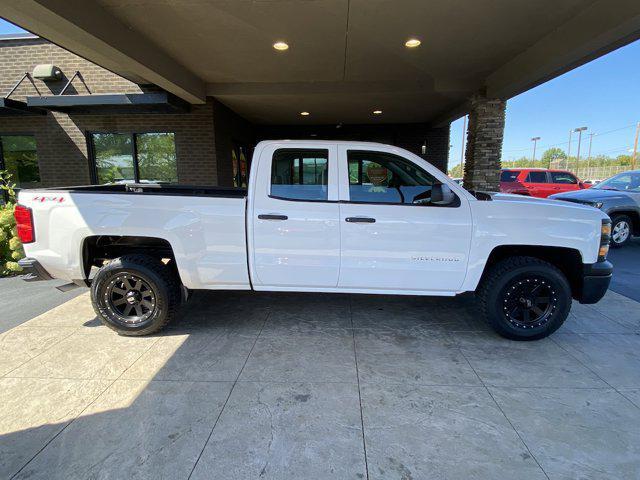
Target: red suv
x=538, y=182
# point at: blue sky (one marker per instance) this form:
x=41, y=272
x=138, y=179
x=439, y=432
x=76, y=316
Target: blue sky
x=6, y=27
x=603, y=95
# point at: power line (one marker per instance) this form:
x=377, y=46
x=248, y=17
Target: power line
x=566, y=143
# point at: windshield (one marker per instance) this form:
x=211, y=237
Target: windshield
x=624, y=182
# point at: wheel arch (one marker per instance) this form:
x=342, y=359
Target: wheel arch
x=97, y=249
x=568, y=260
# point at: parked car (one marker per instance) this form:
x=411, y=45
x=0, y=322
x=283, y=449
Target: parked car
x=618, y=197
x=319, y=216
x=538, y=182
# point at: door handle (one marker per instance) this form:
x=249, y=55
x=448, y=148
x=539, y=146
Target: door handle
x=272, y=217
x=360, y=220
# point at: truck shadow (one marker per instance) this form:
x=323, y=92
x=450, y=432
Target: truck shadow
x=98, y=405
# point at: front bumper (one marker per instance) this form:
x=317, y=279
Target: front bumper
x=595, y=281
x=32, y=271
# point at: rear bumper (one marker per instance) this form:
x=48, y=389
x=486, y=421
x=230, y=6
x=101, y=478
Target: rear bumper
x=32, y=271
x=595, y=281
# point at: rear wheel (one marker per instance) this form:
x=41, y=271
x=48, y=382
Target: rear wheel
x=135, y=295
x=525, y=298
x=621, y=227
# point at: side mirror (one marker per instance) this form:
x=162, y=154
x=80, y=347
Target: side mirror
x=441, y=194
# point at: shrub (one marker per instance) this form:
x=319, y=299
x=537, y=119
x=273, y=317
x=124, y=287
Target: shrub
x=10, y=247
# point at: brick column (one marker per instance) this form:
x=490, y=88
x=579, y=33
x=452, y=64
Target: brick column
x=484, y=144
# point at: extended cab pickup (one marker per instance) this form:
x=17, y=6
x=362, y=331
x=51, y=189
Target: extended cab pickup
x=319, y=216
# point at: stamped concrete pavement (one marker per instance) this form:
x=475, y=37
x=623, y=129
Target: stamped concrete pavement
x=279, y=386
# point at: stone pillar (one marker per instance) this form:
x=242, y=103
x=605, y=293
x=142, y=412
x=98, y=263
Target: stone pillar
x=484, y=144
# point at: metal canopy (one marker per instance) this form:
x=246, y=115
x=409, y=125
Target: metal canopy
x=114, y=103
x=9, y=106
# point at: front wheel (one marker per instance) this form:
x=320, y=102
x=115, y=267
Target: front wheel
x=525, y=298
x=621, y=227
x=135, y=295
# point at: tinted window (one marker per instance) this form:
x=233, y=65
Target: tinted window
x=19, y=157
x=537, y=177
x=509, y=175
x=300, y=174
x=376, y=177
x=563, y=177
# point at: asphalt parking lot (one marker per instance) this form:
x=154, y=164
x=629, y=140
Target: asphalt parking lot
x=319, y=386
x=626, y=262
x=21, y=301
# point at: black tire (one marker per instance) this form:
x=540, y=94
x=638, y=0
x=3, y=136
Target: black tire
x=516, y=285
x=621, y=222
x=154, y=303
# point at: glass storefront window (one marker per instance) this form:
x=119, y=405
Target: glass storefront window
x=113, y=157
x=139, y=157
x=157, y=157
x=20, y=158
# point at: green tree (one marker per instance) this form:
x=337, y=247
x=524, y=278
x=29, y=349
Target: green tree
x=456, y=171
x=553, y=154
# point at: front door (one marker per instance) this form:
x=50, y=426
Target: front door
x=296, y=230
x=392, y=236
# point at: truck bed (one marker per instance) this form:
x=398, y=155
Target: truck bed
x=204, y=226
x=155, y=189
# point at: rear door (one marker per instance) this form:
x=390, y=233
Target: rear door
x=392, y=236
x=294, y=216
x=537, y=183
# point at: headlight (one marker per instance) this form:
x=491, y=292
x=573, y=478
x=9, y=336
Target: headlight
x=597, y=204
x=605, y=238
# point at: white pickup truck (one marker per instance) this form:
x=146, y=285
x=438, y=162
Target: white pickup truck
x=319, y=216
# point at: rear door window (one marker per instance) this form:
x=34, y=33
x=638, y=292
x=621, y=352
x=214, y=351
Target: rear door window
x=537, y=177
x=300, y=174
x=563, y=177
x=509, y=175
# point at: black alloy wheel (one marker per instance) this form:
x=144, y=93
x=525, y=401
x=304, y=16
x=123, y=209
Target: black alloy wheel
x=130, y=298
x=529, y=302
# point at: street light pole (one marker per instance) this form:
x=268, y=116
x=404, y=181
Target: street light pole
x=635, y=147
x=535, y=141
x=579, y=131
x=566, y=163
x=589, y=156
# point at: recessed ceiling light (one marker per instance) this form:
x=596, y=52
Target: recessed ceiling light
x=281, y=46
x=412, y=43
x=304, y=114
x=377, y=112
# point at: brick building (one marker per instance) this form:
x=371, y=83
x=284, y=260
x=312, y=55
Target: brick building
x=51, y=144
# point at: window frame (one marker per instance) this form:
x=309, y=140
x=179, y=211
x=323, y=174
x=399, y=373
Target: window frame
x=455, y=204
x=298, y=149
x=91, y=151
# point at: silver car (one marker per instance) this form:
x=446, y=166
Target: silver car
x=618, y=197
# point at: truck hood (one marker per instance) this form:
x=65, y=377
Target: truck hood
x=506, y=197
x=589, y=195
